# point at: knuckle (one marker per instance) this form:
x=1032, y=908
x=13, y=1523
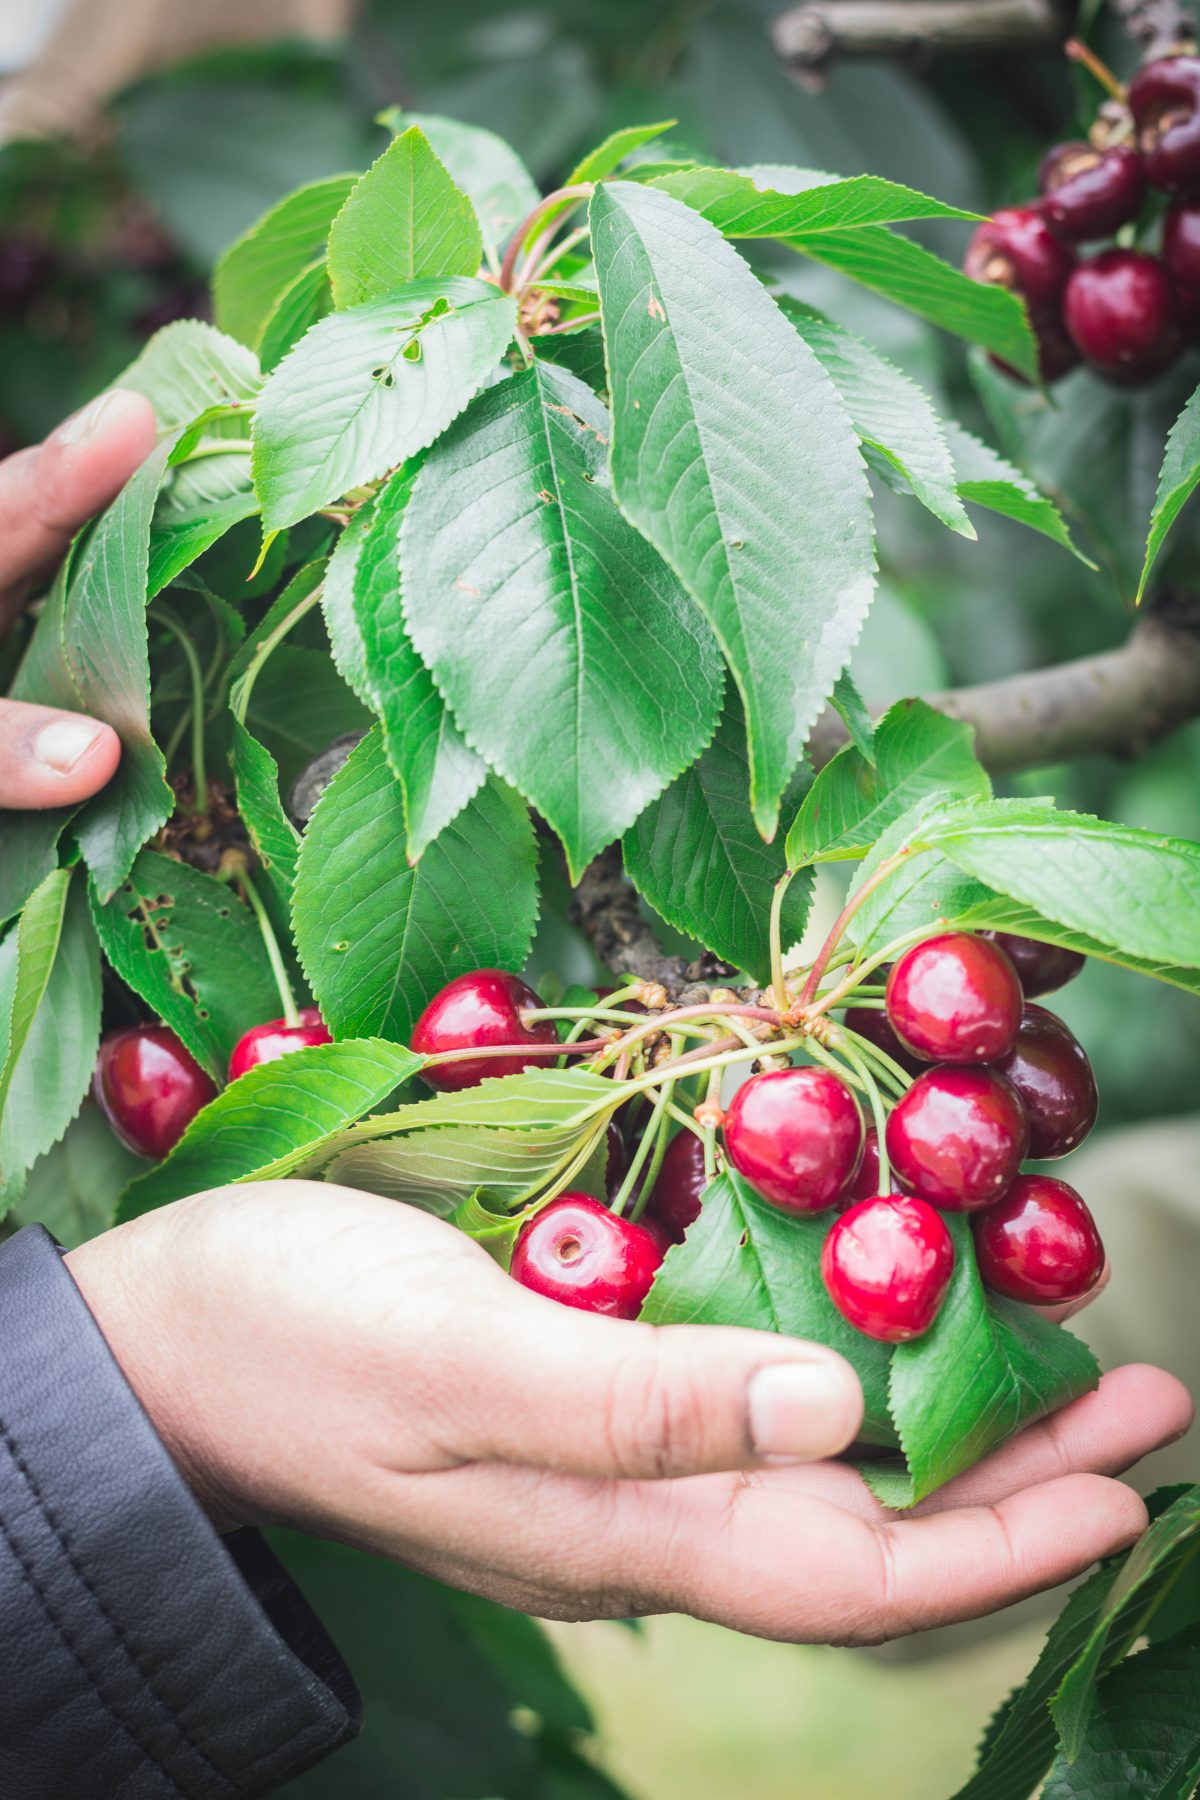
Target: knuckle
x=655, y=1416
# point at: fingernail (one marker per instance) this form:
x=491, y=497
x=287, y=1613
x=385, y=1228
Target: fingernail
x=65, y=742
x=803, y=1411
x=86, y=423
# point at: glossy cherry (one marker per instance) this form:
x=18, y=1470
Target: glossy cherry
x=1057, y=355
x=873, y=1024
x=1041, y=968
x=887, y=1263
x=958, y=1137
x=1050, y=1070
x=577, y=1252
x=1090, y=193
x=1181, y=244
x=1122, y=313
x=866, y=1183
x=265, y=1043
x=149, y=1088
x=1040, y=1244
x=675, y=1197
x=796, y=1135
x=474, y=1010
x=955, y=998
x=1016, y=249
x=1164, y=98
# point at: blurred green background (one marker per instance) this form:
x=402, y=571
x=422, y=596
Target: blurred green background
x=108, y=228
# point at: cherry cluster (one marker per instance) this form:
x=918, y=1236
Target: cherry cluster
x=1124, y=310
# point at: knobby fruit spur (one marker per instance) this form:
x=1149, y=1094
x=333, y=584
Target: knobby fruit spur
x=1126, y=309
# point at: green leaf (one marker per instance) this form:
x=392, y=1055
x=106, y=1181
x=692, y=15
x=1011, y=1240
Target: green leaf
x=522, y=579
x=187, y=945
x=913, y=277
x=73, y=1189
x=104, y=637
x=896, y=421
x=988, y=911
x=1144, y=1741
x=616, y=147
x=438, y=1170
x=179, y=535
x=275, y=839
x=1135, y=890
x=582, y=352
x=367, y=388
x=989, y=480
x=488, y=171
x=1177, y=482
x=58, y=1047
x=918, y=752
x=267, y=1122
x=744, y=1262
x=377, y=937
x=768, y=525
x=189, y=367
x=695, y=855
x=254, y=274
x=1152, y=1566
x=306, y=300
x=300, y=704
x=437, y=770
x=28, y=852
x=772, y=201
x=404, y=220
x=852, y=710
x=984, y=1370
x=36, y=942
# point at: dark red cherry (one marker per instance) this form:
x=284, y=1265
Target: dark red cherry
x=873, y=1024
x=1164, y=98
x=1041, y=968
x=675, y=1197
x=616, y=1159
x=1050, y=1070
x=265, y=1043
x=1181, y=244
x=1057, y=355
x=1123, y=315
x=887, y=1263
x=1016, y=249
x=955, y=998
x=577, y=1252
x=149, y=1088
x=796, y=1135
x=475, y=1010
x=1090, y=193
x=958, y=1137
x=1040, y=1244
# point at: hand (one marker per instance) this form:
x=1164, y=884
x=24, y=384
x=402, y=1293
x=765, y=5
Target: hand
x=324, y=1358
x=49, y=757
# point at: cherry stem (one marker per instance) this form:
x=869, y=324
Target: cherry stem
x=712, y=1100
x=887, y=867
x=556, y=254
x=638, y=1161
x=575, y=324
x=779, y=991
x=686, y=1120
x=252, y=897
x=863, y=1047
x=1083, y=53
x=848, y=989
x=669, y=1020
x=240, y=699
x=877, y=1113
x=175, y=625
x=586, y=1047
x=553, y=203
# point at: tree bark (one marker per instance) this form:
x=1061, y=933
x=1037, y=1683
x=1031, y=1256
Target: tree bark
x=810, y=35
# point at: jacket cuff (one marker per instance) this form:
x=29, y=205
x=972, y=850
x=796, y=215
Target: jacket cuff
x=139, y=1651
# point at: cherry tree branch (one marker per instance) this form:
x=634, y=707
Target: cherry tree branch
x=809, y=36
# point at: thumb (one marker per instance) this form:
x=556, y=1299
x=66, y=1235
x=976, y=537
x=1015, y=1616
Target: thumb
x=548, y=1385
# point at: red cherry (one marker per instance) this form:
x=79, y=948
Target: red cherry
x=1090, y=193
x=1123, y=315
x=265, y=1043
x=675, y=1197
x=1181, y=256
x=1040, y=1244
x=796, y=1135
x=616, y=1160
x=1016, y=249
x=474, y=1010
x=958, y=1137
x=865, y=1185
x=1164, y=98
x=955, y=998
x=887, y=1263
x=577, y=1252
x=873, y=1024
x=1041, y=968
x=1050, y=1070
x=1057, y=355
x=149, y=1088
